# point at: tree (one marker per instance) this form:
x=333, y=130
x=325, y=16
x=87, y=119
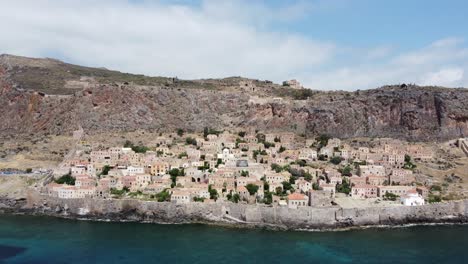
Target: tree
x=301, y=163
x=174, y=173
x=180, y=132
x=276, y=167
x=279, y=191
x=213, y=193
x=28, y=170
x=128, y=144
x=322, y=140
x=252, y=188
x=198, y=199
x=114, y=191
x=140, y=149
x=268, y=198
x=281, y=149
x=105, y=170
x=287, y=186
x=66, y=179
x=408, y=164
x=390, y=196
x=292, y=180
x=335, y=160
x=191, y=141
x=208, y=131
x=407, y=158
x=260, y=137
x=315, y=186
x=346, y=171
x=163, y=196
x=235, y=198
x=344, y=187
x=434, y=198
x=137, y=149
x=241, y=134
x=244, y=173
x=322, y=157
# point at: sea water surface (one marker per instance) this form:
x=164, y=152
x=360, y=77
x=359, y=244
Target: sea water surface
x=27, y=239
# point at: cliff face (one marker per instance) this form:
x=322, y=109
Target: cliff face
x=48, y=96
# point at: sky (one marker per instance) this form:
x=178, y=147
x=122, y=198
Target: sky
x=325, y=44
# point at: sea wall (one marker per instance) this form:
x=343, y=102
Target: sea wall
x=245, y=215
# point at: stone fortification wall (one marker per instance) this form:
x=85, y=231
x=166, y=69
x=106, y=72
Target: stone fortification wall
x=246, y=215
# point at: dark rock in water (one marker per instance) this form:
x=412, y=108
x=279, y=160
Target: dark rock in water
x=10, y=251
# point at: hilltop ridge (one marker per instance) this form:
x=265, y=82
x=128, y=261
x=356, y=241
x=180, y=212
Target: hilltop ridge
x=53, y=97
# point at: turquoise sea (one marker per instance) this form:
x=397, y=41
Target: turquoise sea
x=27, y=239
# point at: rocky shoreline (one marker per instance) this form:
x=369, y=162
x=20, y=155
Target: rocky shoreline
x=237, y=215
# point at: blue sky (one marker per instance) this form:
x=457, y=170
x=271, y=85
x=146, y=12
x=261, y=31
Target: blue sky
x=334, y=44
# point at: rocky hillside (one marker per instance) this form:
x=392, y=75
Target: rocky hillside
x=45, y=96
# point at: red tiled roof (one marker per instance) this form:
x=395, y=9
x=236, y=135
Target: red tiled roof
x=296, y=196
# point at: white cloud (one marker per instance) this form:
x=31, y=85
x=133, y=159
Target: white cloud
x=157, y=39
x=441, y=63
x=379, y=52
x=444, y=77
x=218, y=38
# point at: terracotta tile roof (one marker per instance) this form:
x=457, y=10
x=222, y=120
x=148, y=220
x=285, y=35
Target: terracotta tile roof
x=296, y=196
x=241, y=189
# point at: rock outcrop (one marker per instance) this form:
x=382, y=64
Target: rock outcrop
x=49, y=96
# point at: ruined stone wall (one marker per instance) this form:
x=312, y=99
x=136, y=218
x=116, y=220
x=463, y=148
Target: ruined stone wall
x=246, y=215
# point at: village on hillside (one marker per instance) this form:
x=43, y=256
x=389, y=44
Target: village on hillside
x=278, y=169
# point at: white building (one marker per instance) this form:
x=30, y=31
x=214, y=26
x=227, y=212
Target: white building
x=130, y=170
x=412, y=198
x=368, y=170
x=226, y=156
x=180, y=196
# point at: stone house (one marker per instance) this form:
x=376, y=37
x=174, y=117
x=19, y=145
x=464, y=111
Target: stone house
x=303, y=185
x=394, y=189
x=78, y=170
x=356, y=180
x=401, y=176
x=364, y=191
x=376, y=180
x=369, y=170
x=180, y=196
x=243, y=192
x=85, y=181
x=423, y=191
x=159, y=168
x=296, y=200
x=142, y=180
x=329, y=188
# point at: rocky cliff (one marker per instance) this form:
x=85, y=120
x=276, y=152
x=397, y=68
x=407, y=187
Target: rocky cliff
x=51, y=97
